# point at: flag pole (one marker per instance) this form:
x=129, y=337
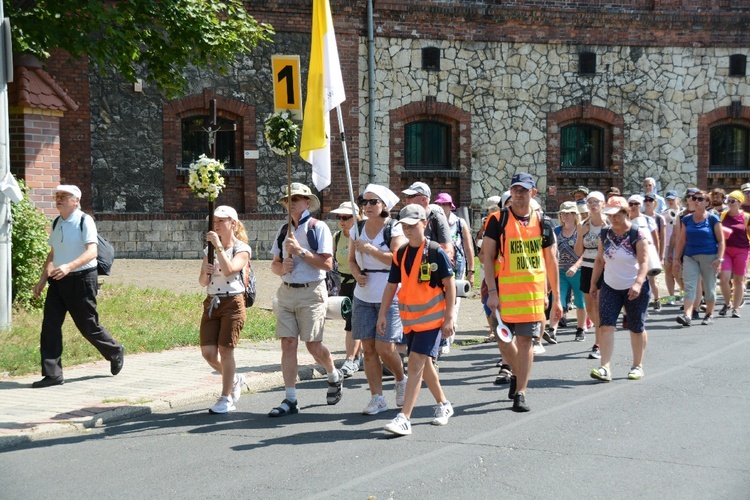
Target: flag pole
x=348, y=170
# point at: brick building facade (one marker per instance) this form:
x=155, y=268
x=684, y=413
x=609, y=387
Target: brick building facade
x=505, y=83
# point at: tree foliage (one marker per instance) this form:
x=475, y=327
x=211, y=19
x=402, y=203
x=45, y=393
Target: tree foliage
x=29, y=250
x=159, y=37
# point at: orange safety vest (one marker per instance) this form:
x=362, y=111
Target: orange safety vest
x=520, y=271
x=420, y=306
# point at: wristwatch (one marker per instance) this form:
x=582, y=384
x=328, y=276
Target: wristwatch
x=304, y=253
x=219, y=248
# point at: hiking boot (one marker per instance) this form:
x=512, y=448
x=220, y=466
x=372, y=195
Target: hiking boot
x=580, y=335
x=377, y=405
x=684, y=320
x=399, y=425
x=519, y=403
x=443, y=412
x=595, y=353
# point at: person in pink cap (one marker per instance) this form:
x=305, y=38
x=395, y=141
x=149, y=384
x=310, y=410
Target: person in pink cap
x=463, y=252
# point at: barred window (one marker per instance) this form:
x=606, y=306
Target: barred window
x=427, y=145
x=582, y=147
x=729, y=147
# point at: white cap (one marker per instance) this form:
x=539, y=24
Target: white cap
x=68, y=188
x=226, y=211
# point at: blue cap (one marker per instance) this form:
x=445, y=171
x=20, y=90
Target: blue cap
x=670, y=195
x=523, y=179
x=690, y=191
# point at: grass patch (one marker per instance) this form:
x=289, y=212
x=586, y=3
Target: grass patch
x=139, y=401
x=143, y=320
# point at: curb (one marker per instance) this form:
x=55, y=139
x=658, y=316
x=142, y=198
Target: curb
x=81, y=425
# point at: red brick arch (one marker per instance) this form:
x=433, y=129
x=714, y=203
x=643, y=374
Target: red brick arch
x=562, y=183
x=241, y=186
x=735, y=114
x=456, y=181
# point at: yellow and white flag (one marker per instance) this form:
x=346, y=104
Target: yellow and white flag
x=325, y=91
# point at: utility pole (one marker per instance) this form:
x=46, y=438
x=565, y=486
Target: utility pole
x=6, y=75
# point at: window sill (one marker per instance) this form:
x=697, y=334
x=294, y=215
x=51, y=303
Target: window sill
x=413, y=172
x=228, y=172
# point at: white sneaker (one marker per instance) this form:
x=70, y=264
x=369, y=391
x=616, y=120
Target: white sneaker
x=442, y=413
x=538, y=348
x=377, y=405
x=399, y=425
x=401, y=392
x=239, y=381
x=223, y=405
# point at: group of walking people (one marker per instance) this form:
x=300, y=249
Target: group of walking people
x=401, y=277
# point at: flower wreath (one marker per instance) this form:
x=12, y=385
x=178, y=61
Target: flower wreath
x=205, y=178
x=281, y=133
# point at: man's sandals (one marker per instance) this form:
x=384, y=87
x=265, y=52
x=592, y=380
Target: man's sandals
x=285, y=408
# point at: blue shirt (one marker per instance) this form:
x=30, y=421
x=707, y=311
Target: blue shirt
x=304, y=272
x=69, y=239
x=699, y=237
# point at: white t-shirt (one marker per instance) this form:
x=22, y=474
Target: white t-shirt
x=620, y=260
x=376, y=281
x=232, y=284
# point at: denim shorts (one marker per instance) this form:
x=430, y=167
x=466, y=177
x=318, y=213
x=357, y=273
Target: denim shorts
x=611, y=301
x=365, y=319
x=427, y=342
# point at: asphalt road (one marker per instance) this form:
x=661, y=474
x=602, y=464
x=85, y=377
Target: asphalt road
x=680, y=432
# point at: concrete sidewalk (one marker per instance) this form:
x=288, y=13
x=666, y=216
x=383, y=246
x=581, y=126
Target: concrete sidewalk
x=155, y=382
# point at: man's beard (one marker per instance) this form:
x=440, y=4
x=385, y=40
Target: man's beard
x=717, y=203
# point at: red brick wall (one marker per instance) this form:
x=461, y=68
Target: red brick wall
x=35, y=156
x=240, y=187
x=559, y=183
x=75, y=131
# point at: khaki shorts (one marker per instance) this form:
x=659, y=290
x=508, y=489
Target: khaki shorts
x=225, y=325
x=301, y=312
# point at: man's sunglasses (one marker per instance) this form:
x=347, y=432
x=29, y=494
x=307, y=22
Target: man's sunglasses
x=698, y=198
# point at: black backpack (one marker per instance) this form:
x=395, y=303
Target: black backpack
x=548, y=230
x=387, y=230
x=432, y=258
x=105, y=252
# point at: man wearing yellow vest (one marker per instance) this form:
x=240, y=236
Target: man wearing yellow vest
x=425, y=303
x=524, y=259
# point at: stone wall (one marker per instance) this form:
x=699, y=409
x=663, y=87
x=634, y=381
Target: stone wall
x=180, y=239
x=509, y=89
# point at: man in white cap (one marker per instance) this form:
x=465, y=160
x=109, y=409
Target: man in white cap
x=70, y=270
x=438, y=229
x=301, y=256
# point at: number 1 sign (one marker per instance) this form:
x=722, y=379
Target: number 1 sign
x=287, y=89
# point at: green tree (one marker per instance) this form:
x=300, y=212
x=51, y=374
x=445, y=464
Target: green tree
x=159, y=37
x=29, y=250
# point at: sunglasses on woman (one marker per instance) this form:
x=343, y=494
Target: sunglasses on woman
x=634, y=204
x=370, y=202
x=344, y=217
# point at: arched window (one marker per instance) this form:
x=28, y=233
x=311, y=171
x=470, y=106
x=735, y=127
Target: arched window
x=729, y=147
x=195, y=140
x=427, y=145
x=582, y=147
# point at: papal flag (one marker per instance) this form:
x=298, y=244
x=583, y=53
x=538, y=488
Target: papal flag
x=325, y=91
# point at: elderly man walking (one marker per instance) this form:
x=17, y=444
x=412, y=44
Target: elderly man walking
x=302, y=255
x=70, y=270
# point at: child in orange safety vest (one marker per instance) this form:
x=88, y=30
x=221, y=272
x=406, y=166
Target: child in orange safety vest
x=425, y=303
